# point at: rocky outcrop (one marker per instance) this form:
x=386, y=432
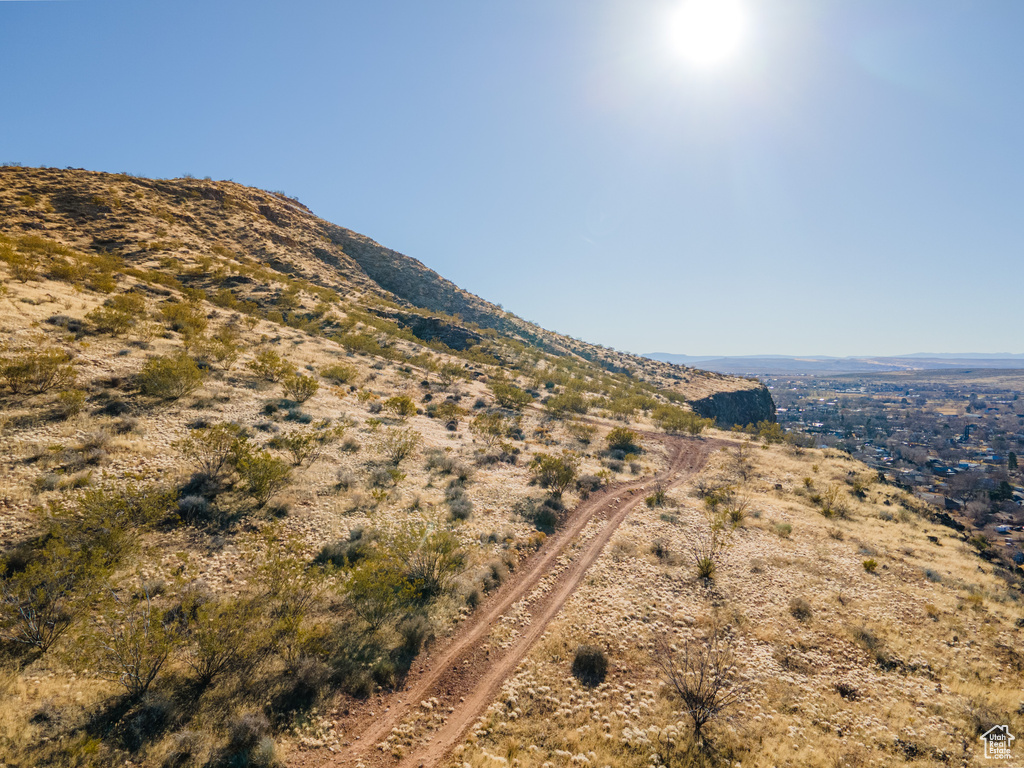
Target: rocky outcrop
x=432, y=328
x=745, y=406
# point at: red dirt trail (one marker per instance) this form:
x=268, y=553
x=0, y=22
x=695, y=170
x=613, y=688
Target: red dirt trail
x=463, y=674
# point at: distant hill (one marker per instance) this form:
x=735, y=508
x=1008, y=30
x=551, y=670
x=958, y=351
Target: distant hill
x=776, y=365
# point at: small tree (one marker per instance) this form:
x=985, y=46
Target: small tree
x=1011, y=461
x=702, y=675
x=556, y=473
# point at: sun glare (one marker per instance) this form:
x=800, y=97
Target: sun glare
x=708, y=32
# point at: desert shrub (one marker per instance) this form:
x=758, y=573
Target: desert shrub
x=133, y=644
x=71, y=402
x=398, y=443
x=587, y=484
x=508, y=395
x=491, y=427
x=222, y=348
x=117, y=314
x=623, y=439
x=770, y=432
x=702, y=674
x=269, y=365
x=783, y=530
x=932, y=575
x=545, y=515
x=35, y=371
x=339, y=373
x=656, y=499
x=263, y=475
x=590, y=665
x=555, y=473
x=186, y=319
x=348, y=553
x=459, y=504
x=224, y=636
x=307, y=447
x=800, y=609
x=401, y=406
x=42, y=598
x=432, y=560
x=674, y=419
x=249, y=743
x=169, y=377
x=567, y=402
x=300, y=388
x=448, y=373
x=870, y=565
x=213, y=450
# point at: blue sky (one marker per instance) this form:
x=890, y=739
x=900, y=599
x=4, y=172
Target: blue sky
x=851, y=182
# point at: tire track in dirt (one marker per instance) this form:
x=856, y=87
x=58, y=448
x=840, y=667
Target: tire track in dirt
x=464, y=675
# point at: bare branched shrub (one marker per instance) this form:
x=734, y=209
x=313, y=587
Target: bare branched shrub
x=702, y=673
x=133, y=644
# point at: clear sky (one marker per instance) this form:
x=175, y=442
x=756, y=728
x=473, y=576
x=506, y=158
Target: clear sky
x=847, y=179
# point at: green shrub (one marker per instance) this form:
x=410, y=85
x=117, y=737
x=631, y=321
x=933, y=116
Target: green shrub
x=398, y=444
x=185, y=318
x=567, y=402
x=71, y=402
x=300, y=388
x=783, y=530
x=117, y=314
x=271, y=366
x=263, y=475
x=674, y=419
x=35, y=371
x=870, y=565
x=339, y=373
x=623, y=439
x=556, y=473
x=169, y=377
x=508, y=395
x=213, y=450
x=401, y=406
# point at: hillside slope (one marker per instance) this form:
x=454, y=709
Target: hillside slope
x=250, y=494
x=214, y=224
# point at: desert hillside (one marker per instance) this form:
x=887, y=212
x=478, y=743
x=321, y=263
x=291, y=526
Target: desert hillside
x=273, y=494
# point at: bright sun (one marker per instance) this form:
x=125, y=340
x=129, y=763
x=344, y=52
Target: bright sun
x=708, y=32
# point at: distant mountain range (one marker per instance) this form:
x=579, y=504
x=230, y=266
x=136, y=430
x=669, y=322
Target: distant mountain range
x=782, y=365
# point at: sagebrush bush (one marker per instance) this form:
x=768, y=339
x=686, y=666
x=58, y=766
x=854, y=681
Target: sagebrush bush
x=169, y=378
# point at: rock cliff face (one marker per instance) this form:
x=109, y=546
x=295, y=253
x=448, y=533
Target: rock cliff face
x=745, y=406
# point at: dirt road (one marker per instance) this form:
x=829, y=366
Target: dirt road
x=465, y=673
